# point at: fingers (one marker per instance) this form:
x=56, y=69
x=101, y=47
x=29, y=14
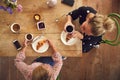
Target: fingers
x=50, y=43
x=76, y=34
x=25, y=43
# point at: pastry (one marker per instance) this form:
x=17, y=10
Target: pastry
x=40, y=44
x=68, y=37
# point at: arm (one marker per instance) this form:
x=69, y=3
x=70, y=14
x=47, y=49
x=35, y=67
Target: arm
x=73, y=15
x=69, y=18
x=68, y=22
x=21, y=66
x=52, y=46
x=21, y=55
x=82, y=13
x=57, y=58
x=57, y=66
x=77, y=12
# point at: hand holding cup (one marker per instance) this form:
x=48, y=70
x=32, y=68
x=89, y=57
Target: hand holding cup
x=29, y=37
x=70, y=25
x=77, y=34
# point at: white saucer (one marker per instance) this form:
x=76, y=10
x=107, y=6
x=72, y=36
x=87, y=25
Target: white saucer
x=72, y=41
x=43, y=48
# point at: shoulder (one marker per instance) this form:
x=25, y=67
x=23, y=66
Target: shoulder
x=87, y=9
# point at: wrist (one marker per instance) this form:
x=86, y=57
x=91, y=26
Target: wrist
x=80, y=36
x=24, y=48
x=69, y=19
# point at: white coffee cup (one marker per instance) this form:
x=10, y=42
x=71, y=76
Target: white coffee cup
x=29, y=37
x=15, y=28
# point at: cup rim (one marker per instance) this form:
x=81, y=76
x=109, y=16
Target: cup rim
x=11, y=27
x=71, y=31
x=26, y=36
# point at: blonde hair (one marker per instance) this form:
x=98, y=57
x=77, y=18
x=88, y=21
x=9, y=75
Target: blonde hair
x=101, y=24
x=40, y=73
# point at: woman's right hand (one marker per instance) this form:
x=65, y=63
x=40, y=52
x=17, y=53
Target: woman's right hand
x=50, y=43
x=25, y=44
x=52, y=46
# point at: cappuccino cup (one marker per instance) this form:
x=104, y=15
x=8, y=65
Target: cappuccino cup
x=15, y=28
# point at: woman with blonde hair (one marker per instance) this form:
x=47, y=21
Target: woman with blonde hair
x=92, y=26
x=42, y=68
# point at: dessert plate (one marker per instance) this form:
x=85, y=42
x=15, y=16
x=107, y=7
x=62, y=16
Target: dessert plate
x=67, y=41
x=39, y=44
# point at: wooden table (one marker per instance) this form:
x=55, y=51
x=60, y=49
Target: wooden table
x=28, y=25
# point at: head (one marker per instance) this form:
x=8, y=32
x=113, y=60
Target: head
x=97, y=25
x=40, y=73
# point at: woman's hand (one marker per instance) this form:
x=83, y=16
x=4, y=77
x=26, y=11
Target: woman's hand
x=67, y=24
x=25, y=43
x=50, y=43
x=52, y=46
x=77, y=34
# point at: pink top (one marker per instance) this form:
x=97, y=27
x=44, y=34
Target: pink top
x=26, y=69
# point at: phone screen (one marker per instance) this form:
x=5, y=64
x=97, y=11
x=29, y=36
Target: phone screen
x=17, y=44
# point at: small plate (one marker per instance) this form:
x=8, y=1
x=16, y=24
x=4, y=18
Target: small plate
x=43, y=48
x=72, y=41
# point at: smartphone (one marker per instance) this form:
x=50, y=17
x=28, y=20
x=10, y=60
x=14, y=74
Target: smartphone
x=68, y=2
x=17, y=44
x=40, y=25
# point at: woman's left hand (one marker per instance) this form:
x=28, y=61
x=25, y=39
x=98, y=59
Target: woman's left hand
x=77, y=34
